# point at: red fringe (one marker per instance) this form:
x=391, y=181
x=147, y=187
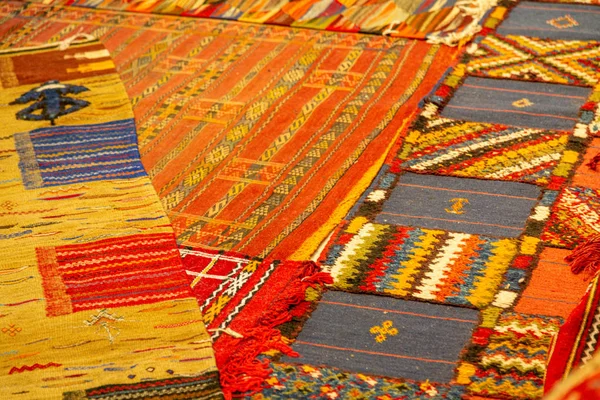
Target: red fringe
x=594, y=162
x=586, y=257
x=244, y=374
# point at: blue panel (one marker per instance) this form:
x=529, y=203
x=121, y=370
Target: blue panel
x=516, y=103
x=553, y=21
x=496, y=208
x=426, y=344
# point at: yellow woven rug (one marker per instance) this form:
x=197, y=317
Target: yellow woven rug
x=94, y=302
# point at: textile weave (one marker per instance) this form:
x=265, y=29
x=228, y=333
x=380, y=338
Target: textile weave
x=411, y=234
x=276, y=126
x=95, y=300
x=450, y=21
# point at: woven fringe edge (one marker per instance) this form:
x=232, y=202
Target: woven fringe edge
x=244, y=374
x=475, y=9
x=586, y=257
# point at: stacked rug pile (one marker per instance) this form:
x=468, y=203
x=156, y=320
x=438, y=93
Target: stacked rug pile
x=308, y=199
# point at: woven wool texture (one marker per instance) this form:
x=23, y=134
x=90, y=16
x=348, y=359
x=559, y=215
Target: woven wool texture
x=95, y=300
x=254, y=136
x=447, y=275
x=246, y=303
x=475, y=211
x=447, y=21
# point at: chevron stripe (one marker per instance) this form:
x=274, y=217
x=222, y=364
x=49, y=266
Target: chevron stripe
x=590, y=344
x=570, y=62
x=479, y=150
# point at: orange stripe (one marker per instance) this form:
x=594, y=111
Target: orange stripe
x=467, y=191
x=376, y=353
x=397, y=312
x=512, y=111
x=453, y=220
x=525, y=92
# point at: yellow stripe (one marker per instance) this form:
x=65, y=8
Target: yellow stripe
x=306, y=250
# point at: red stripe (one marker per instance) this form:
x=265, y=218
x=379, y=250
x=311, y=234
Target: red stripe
x=376, y=353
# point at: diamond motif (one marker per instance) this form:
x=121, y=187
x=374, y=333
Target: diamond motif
x=11, y=330
x=564, y=22
x=522, y=103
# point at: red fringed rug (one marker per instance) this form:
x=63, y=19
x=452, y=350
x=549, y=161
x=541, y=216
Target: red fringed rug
x=246, y=304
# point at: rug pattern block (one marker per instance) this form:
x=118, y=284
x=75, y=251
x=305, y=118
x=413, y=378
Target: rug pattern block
x=486, y=151
x=226, y=115
x=95, y=300
x=418, y=263
x=571, y=62
x=483, y=126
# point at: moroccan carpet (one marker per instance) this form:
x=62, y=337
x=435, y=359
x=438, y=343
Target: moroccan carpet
x=451, y=274
x=258, y=139
x=251, y=307
x=446, y=21
x=94, y=300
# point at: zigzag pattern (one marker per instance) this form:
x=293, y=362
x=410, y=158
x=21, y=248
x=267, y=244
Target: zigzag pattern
x=479, y=150
x=574, y=217
x=513, y=362
x=569, y=62
x=418, y=263
x=18, y=370
x=590, y=345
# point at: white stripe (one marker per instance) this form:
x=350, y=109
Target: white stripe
x=441, y=265
x=455, y=153
x=525, y=165
x=349, y=251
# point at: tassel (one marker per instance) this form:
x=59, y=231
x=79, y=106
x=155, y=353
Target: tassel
x=244, y=374
x=586, y=257
x=594, y=162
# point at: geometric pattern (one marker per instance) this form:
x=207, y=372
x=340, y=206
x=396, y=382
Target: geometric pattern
x=64, y=155
x=292, y=381
x=110, y=273
x=575, y=217
x=219, y=279
x=571, y=62
x=419, y=264
x=508, y=359
x=479, y=150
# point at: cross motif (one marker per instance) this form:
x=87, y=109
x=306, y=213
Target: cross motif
x=383, y=331
x=12, y=330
